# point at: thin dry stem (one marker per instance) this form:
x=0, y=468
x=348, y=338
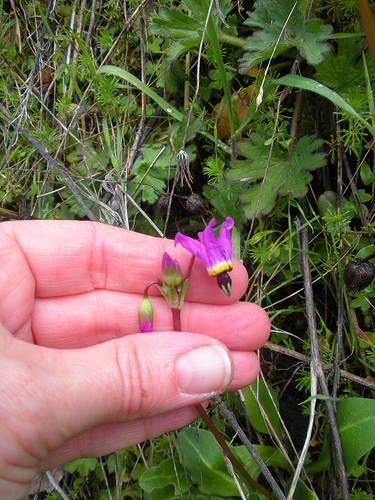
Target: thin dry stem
x=306, y=360
x=317, y=374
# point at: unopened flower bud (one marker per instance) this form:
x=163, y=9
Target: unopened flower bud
x=145, y=315
x=171, y=271
x=224, y=281
x=358, y=274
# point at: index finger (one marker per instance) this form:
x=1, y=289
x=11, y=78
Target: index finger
x=74, y=257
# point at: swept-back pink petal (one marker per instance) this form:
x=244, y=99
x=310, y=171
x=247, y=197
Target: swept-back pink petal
x=193, y=246
x=215, y=253
x=224, y=239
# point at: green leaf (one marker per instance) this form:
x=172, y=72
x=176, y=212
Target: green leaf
x=313, y=44
x=133, y=80
x=152, y=180
x=163, y=475
x=356, y=423
x=272, y=457
x=285, y=176
x=225, y=197
x=253, y=412
x=168, y=108
x=173, y=23
x=89, y=60
x=86, y=157
x=302, y=492
x=321, y=463
x=321, y=397
x=83, y=465
x=343, y=70
x=366, y=174
x=185, y=29
x=212, y=32
x=205, y=463
x=188, y=30
x=260, y=16
x=308, y=84
x=309, y=38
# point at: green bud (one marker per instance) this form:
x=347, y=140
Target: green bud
x=171, y=270
x=145, y=315
x=174, y=295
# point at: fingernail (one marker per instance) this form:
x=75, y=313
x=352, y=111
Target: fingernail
x=204, y=370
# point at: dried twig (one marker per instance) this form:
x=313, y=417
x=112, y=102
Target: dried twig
x=136, y=144
x=268, y=422
x=306, y=360
x=317, y=372
x=315, y=357
x=57, y=487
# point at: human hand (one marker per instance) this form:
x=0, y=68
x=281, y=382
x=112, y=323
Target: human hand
x=77, y=379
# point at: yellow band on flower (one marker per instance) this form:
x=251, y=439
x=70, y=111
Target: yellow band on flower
x=219, y=268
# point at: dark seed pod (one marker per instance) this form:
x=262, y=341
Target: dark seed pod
x=195, y=204
x=163, y=204
x=358, y=274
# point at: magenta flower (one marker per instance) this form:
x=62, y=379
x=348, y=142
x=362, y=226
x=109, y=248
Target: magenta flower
x=215, y=253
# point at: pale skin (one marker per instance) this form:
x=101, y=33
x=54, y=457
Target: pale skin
x=77, y=379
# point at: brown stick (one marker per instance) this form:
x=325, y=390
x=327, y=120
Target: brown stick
x=368, y=25
x=306, y=360
x=315, y=365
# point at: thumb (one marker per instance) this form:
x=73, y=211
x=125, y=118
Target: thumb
x=52, y=396
x=144, y=375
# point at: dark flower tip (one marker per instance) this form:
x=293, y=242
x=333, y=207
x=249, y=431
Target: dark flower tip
x=225, y=283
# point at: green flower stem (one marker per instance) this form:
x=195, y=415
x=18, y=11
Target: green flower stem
x=232, y=40
x=187, y=83
x=155, y=282
x=176, y=313
x=190, y=267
